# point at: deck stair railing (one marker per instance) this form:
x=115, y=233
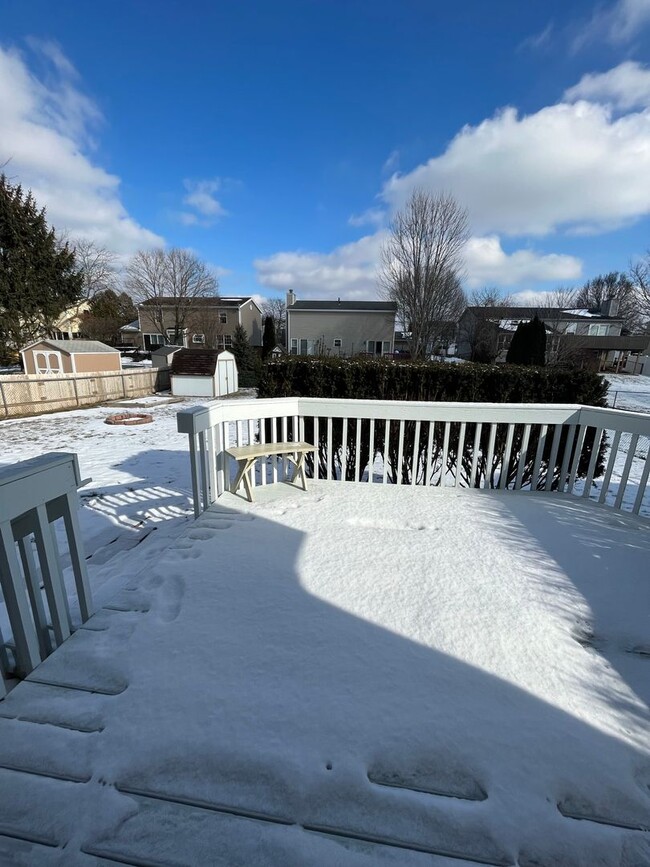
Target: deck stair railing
x=532, y=447
x=34, y=606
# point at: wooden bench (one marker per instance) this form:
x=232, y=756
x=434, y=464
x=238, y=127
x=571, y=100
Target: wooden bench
x=247, y=455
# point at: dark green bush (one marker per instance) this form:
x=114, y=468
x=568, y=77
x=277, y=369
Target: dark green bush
x=378, y=379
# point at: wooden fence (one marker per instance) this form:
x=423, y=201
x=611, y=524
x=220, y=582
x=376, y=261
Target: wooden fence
x=35, y=394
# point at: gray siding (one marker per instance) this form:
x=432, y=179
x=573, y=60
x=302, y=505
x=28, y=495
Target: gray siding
x=352, y=328
x=251, y=319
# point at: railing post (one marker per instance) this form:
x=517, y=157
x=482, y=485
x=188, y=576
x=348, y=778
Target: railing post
x=22, y=626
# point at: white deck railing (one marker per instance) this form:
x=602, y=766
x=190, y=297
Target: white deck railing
x=34, y=606
x=537, y=447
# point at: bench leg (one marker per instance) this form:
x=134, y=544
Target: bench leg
x=300, y=471
x=242, y=475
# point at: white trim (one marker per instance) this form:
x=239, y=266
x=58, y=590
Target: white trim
x=73, y=363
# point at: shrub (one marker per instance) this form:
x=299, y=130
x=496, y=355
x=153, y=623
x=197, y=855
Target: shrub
x=378, y=379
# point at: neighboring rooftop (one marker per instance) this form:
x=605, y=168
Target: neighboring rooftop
x=75, y=346
x=387, y=306
x=212, y=301
x=195, y=362
x=520, y=313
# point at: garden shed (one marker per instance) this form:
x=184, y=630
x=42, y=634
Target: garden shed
x=162, y=356
x=203, y=373
x=70, y=356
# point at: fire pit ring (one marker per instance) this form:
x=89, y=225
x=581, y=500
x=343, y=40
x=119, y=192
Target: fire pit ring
x=129, y=418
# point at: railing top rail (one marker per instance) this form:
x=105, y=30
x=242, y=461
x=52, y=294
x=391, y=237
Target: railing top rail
x=200, y=418
x=616, y=419
x=34, y=466
x=40, y=480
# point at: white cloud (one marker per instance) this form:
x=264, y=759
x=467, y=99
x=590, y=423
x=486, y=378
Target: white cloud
x=47, y=125
x=618, y=23
x=531, y=298
x=626, y=86
x=566, y=165
x=370, y=217
x=391, y=163
x=201, y=198
x=488, y=264
x=348, y=271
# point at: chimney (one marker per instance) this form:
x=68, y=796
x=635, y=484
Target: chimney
x=609, y=308
x=291, y=298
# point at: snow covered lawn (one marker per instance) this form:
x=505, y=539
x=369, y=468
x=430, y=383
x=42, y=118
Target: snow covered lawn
x=357, y=675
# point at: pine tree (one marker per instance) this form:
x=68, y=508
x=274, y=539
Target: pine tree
x=38, y=277
x=246, y=358
x=528, y=344
x=268, y=337
x=108, y=312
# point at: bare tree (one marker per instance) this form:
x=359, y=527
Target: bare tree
x=277, y=310
x=640, y=277
x=169, y=283
x=613, y=285
x=97, y=266
x=489, y=296
x=421, y=263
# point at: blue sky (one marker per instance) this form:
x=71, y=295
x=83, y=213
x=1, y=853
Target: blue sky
x=276, y=138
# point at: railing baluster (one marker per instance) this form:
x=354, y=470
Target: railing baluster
x=505, y=463
x=566, y=457
x=490, y=455
x=626, y=471
x=550, y=470
x=357, y=452
x=285, y=437
x=274, y=458
x=541, y=442
x=263, y=461
x=523, y=454
x=205, y=470
x=386, y=454
x=316, y=447
x=371, y=452
x=477, y=447
x=20, y=616
x=613, y=452
x=415, y=465
x=344, y=447
x=240, y=433
x=400, y=452
x=251, y=439
x=592, y=462
x=580, y=438
x=57, y=599
x=445, y=450
x=429, y=455
x=194, y=474
x=330, y=456
x=459, y=453
x=643, y=481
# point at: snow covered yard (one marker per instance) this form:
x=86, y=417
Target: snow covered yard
x=357, y=675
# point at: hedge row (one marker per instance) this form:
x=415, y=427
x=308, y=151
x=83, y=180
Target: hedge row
x=378, y=379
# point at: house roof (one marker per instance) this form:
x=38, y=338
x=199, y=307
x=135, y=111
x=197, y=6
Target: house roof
x=349, y=306
x=232, y=301
x=166, y=349
x=74, y=347
x=521, y=313
x=195, y=362
x=132, y=326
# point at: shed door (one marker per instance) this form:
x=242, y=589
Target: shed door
x=48, y=362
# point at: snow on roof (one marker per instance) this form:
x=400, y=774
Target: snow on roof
x=74, y=346
x=132, y=326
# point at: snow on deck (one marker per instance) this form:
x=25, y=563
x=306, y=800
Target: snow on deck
x=358, y=675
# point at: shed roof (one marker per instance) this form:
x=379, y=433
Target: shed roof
x=195, y=362
x=74, y=347
x=372, y=306
x=166, y=349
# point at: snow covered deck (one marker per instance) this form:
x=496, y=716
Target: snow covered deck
x=358, y=675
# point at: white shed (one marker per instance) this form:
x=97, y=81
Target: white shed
x=203, y=373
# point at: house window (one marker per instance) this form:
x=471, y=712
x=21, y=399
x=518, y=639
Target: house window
x=151, y=340
x=386, y=347
x=198, y=338
x=597, y=329
x=338, y=343
x=294, y=346
x=374, y=347
x=224, y=340
x=223, y=318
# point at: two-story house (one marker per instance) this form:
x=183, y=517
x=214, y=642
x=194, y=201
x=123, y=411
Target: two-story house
x=339, y=327
x=210, y=323
x=590, y=337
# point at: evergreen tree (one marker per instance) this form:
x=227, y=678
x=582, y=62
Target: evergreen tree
x=247, y=359
x=38, y=277
x=528, y=344
x=108, y=312
x=268, y=337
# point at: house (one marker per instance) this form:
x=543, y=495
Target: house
x=203, y=373
x=70, y=356
x=587, y=337
x=162, y=355
x=338, y=327
x=210, y=323
x=69, y=324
